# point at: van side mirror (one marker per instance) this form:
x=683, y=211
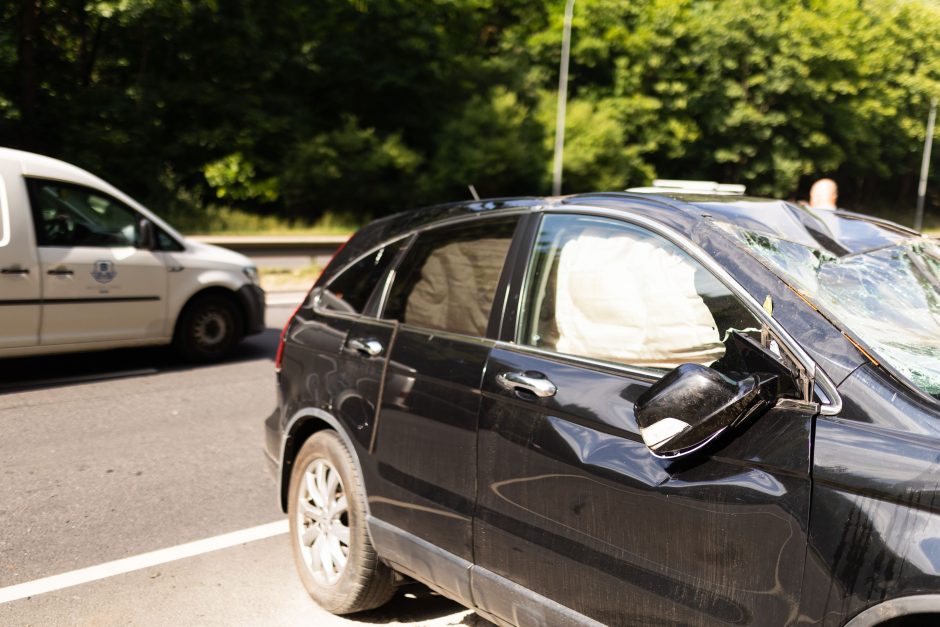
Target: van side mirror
x=692, y=405
x=147, y=240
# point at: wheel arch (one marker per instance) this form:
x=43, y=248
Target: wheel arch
x=221, y=291
x=300, y=427
x=916, y=606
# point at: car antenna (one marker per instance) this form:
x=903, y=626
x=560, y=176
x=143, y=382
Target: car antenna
x=473, y=192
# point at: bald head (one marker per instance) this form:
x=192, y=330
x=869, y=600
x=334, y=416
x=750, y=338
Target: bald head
x=823, y=194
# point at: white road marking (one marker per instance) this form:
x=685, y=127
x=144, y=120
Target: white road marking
x=138, y=562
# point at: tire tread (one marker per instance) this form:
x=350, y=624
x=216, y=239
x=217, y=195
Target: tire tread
x=372, y=583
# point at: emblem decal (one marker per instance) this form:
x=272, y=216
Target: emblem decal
x=104, y=271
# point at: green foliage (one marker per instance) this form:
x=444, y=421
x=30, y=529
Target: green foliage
x=494, y=144
x=234, y=177
x=367, y=107
x=601, y=149
x=347, y=169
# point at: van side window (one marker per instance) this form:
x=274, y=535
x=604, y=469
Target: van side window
x=611, y=291
x=73, y=215
x=448, y=279
x=167, y=243
x=349, y=292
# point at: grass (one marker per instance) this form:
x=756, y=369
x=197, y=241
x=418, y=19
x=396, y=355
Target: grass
x=215, y=220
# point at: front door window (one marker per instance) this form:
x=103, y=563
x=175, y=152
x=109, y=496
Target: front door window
x=611, y=291
x=72, y=215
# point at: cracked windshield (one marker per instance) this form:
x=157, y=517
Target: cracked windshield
x=888, y=297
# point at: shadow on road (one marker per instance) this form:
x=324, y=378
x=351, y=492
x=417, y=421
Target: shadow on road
x=415, y=603
x=70, y=368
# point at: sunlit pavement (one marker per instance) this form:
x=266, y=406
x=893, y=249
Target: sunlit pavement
x=113, y=455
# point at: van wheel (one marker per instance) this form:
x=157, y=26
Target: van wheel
x=208, y=329
x=329, y=540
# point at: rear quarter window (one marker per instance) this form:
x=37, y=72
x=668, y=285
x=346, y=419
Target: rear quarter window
x=350, y=290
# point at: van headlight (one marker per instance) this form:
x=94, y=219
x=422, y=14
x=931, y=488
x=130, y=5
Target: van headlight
x=251, y=273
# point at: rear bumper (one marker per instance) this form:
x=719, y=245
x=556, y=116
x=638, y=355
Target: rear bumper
x=252, y=300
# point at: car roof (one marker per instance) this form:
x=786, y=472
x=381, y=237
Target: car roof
x=836, y=231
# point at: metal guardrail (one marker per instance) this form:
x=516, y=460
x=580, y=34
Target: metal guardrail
x=277, y=245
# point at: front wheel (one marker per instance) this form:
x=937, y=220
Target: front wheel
x=329, y=539
x=208, y=329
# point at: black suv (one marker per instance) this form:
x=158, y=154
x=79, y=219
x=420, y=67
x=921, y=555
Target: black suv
x=620, y=408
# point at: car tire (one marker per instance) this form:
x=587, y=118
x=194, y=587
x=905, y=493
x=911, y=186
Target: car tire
x=208, y=329
x=329, y=540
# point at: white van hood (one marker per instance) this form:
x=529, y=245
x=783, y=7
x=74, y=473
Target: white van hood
x=217, y=254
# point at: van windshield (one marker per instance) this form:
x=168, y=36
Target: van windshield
x=888, y=297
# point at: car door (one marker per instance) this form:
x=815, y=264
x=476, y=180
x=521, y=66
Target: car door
x=20, y=284
x=573, y=506
x=348, y=360
x=98, y=284
x=424, y=455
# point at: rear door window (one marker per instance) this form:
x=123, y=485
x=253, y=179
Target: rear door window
x=448, y=279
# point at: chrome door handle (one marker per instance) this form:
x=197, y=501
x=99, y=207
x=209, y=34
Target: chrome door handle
x=14, y=270
x=369, y=347
x=530, y=381
x=61, y=272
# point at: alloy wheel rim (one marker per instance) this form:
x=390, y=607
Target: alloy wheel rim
x=210, y=328
x=323, y=522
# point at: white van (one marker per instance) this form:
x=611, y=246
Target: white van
x=85, y=267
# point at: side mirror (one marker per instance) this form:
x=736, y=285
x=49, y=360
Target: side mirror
x=692, y=405
x=148, y=235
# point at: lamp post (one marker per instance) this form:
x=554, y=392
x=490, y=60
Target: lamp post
x=562, y=100
x=925, y=166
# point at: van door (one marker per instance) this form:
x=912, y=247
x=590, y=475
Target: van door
x=20, y=284
x=97, y=284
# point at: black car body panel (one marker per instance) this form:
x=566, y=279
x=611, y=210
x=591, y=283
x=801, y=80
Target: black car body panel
x=876, y=531
x=552, y=510
x=569, y=483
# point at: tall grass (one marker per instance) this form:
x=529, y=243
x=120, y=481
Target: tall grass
x=217, y=220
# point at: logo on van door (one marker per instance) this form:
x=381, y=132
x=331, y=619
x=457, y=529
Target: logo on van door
x=104, y=271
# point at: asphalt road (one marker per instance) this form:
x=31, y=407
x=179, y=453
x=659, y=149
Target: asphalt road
x=112, y=455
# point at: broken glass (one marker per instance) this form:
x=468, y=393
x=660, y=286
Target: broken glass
x=888, y=297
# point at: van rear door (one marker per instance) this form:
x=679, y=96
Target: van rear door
x=20, y=283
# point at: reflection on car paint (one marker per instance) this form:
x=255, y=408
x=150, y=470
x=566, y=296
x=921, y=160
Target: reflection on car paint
x=611, y=452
